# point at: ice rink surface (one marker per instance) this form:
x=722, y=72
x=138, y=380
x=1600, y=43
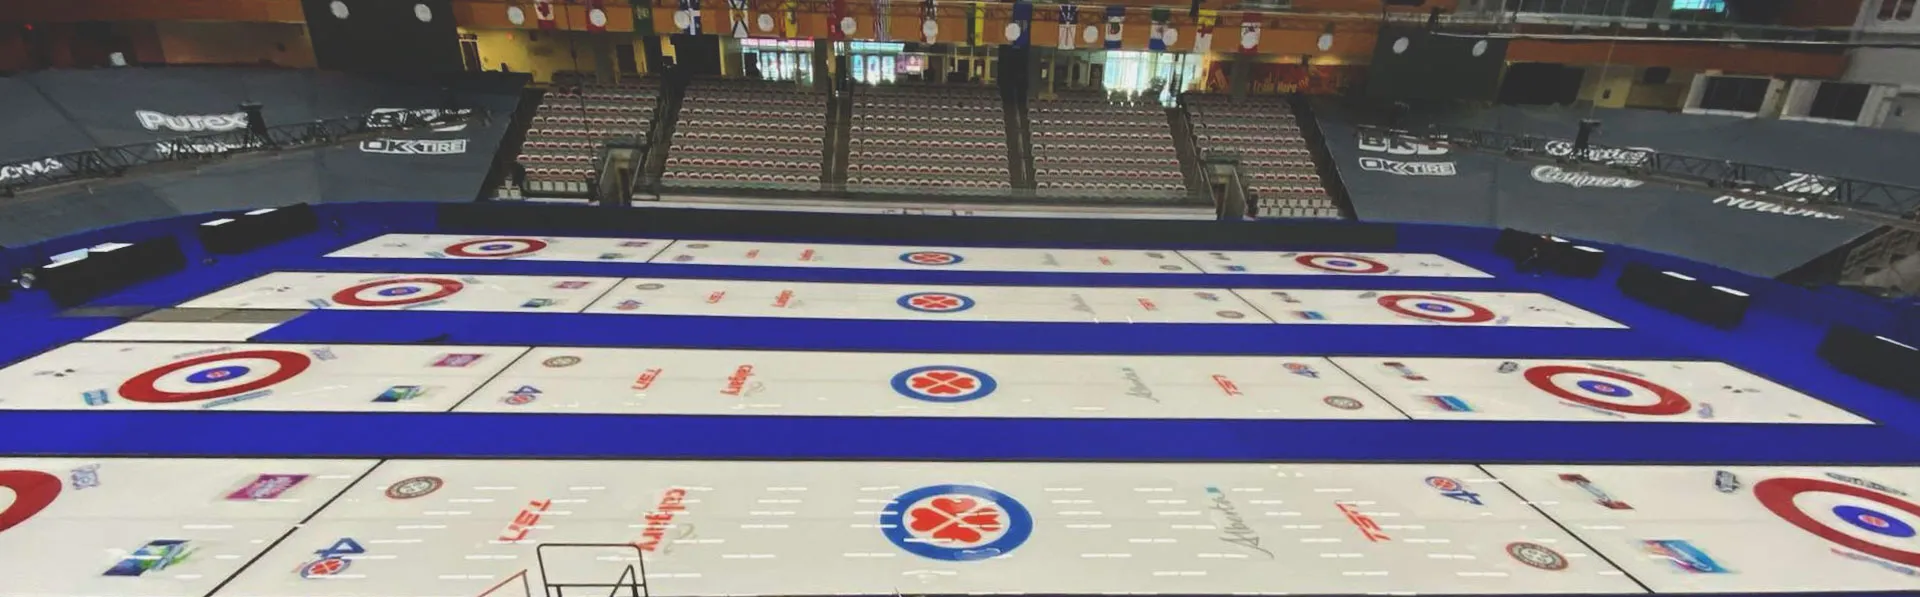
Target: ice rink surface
x=643, y=381
x=976, y=259
x=404, y=528
x=822, y=300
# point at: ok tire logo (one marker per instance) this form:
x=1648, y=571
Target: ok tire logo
x=1408, y=168
x=415, y=146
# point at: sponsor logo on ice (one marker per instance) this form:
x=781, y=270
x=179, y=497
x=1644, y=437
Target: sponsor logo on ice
x=266, y=487
x=1600, y=496
x=654, y=536
x=1683, y=554
x=1453, y=489
x=333, y=560
x=1368, y=528
x=159, y=554
x=414, y=487
x=1233, y=527
x=523, y=522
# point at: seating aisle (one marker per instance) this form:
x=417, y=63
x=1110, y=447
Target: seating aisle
x=1273, y=154
x=578, y=116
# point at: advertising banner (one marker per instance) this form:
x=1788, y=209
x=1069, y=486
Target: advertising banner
x=1398, y=180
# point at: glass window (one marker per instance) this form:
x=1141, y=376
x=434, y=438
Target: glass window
x=1709, y=5
x=1163, y=74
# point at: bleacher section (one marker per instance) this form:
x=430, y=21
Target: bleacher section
x=1086, y=142
x=574, y=120
x=1279, y=168
x=928, y=136
x=752, y=132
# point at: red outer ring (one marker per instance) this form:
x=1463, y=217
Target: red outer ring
x=1479, y=314
x=534, y=245
x=1671, y=402
x=33, y=492
x=350, y=296
x=1373, y=267
x=1777, y=495
x=141, y=387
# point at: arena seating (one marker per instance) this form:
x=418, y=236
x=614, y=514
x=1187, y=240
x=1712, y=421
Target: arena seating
x=1273, y=155
x=1085, y=142
x=572, y=122
x=741, y=132
x=928, y=136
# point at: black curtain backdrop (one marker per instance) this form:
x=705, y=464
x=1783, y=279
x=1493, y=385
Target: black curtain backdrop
x=1398, y=182
x=1416, y=64
x=64, y=111
x=384, y=36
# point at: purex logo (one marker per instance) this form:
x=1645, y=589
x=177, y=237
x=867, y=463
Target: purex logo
x=25, y=169
x=202, y=123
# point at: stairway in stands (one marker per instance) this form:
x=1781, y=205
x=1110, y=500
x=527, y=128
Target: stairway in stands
x=577, y=116
x=1275, y=156
x=1019, y=140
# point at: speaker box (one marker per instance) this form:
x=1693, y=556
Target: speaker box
x=1656, y=75
x=1516, y=245
x=100, y=273
x=257, y=229
x=1686, y=297
x=1873, y=359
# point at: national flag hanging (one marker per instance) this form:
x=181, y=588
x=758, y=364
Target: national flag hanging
x=882, y=15
x=1069, y=25
x=596, y=15
x=1157, y=34
x=543, y=12
x=643, y=17
x=1203, y=31
x=737, y=18
x=1250, y=33
x=789, y=19
x=760, y=17
x=1116, y=16
x=837, y=20
x=977, y=24
x=1020, y=30
x=929, y=22
x=688, y=19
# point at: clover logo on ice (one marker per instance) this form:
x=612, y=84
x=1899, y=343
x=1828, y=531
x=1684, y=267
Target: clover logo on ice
x=959, y=523
x=943, y=383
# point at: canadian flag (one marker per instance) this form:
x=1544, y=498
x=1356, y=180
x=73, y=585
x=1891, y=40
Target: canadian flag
x=1250, y=33
x=596, y=15
x=839, y=22
x=543, y=12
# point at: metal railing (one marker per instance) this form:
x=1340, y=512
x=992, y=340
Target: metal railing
x=107, y=162
x=633, y=577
